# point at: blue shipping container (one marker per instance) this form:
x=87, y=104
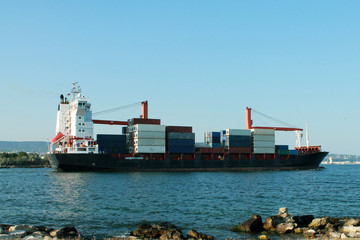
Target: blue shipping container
x=293, y=152
x=282, y=147
x=180, y=142
x=181, y=149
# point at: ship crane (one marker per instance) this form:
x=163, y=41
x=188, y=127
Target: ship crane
x=144, y=115
x=301, y=149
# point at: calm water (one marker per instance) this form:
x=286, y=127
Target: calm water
x=107, y=204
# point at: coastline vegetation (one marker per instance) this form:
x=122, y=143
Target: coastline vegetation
x=23, y=160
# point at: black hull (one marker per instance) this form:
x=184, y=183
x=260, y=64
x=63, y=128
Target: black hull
x=112, y=162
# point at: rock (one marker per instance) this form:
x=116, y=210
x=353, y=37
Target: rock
x=196, y=235
x=263, y=237
x=350, y=229
x=343, y=236
x=31, y=237
x=6, y=236
x=162, y=230
x=334, y=234
x=284, y=228
x=352, y=222
x=172, y=235
x=303, y=221
x=1, y=230
x=24, y=227
x=319, y=223
x=65, y=232
x=18, y=233
x=283, y=212
x=300, y=230
x=310, y=233
x=271, y=223
x=253, y=224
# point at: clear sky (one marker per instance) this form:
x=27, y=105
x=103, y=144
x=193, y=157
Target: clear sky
x=198, y=63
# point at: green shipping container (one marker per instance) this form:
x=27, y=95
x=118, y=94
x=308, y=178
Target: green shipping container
x=283, y=152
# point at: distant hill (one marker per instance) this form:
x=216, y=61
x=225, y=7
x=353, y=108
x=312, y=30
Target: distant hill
x=27, y=146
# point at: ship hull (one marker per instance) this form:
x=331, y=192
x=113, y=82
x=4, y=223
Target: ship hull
x=115, y=162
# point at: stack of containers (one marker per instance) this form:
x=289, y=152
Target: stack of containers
x=238, y=140
x=180, y=139
x=222, y=138
x=263, y=141
x=212, y=139
x=282, y=149
x=111, y=143
x=293, y=152
x=146, y=138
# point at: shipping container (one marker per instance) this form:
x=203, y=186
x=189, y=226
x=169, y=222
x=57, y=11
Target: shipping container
x=214, y=145
x=147, y=134
x=264, y=144
x=149, y=149
x=282, y=147
x=240, y=132
x=135, y=121
x=238, y=144
x=110, y=137
x=147, y=128
x=178, y=129
x=237, y=138
x=181, y=149
x=293, y=152
x=264, y=150
x=283, y=152
x=149, y=142
x=263, y=131
x=177, y=135
x=264, y=138
x=180, y=142
x=239, y=149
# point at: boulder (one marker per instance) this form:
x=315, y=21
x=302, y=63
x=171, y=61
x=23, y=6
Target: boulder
x=65, y=232
x=24, y=227
x=334, y=235
x=163, y=230
x=1, y=230
x=192, y=234
x=284, y=228
x=18, y=233
x=300, y=230
x=263, y=237
x=253, y=224
x=283, y=212
x=352, y=222
x=320, y=223
x=303, y=221
x=6, y=236
x=271, y=222
x=350, y=229
x=310, y=233
x=172, y=235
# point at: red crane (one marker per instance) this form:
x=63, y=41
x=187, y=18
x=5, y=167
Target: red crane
x=250, y=126
x=144, y=115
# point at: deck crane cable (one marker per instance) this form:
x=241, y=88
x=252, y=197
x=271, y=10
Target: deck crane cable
x=116, y=109
x=274, y=119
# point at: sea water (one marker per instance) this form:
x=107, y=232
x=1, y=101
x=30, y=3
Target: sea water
x=113, y=204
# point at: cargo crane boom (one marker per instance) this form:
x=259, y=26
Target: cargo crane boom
x=144, y=115
x=250, y=126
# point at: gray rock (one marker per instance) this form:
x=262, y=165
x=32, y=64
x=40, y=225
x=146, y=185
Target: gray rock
x=24, y=227
x=18, y=233
x=31, y=237
x=283, y=212
x=6, y=237
x=253, y=224
x=196, y=235
x=284, y=228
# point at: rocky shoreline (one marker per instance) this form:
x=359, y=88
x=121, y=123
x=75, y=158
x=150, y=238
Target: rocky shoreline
x=305, y=226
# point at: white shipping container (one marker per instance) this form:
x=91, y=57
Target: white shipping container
x=263, y=131
x=149, y=142
x=264, y=138
x=149, y=149
x=147, y=134
x=264, y=144
x=238, y=132
x=264, y=150
x=149, y=128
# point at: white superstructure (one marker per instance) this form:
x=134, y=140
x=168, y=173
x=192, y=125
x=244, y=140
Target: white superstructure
x=74, y=125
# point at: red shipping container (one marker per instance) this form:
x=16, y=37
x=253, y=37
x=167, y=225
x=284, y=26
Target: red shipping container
x=135, y=121
x=205, y=150
x=239, y=150
x=218, y=150
x=180, y=129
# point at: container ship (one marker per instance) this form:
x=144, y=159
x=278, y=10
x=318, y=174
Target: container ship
x=147, y=145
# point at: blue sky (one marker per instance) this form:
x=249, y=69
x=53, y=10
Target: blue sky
x=198, y=63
